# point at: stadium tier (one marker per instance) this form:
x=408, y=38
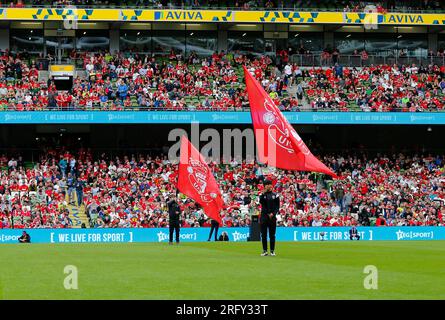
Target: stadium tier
x=383, y=56
x=133, y=82
x=131, y=191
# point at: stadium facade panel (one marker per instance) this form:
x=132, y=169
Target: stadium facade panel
x=221, y=16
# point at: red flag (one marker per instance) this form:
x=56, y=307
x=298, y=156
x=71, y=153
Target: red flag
x=197, y=181
x=278, y=143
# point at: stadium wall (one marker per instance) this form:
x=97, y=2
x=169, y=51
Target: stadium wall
x=4, y=39
x=302, y=234
x=124, y=139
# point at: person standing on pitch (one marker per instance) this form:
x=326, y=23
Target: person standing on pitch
x=270, y=205
x=214, y=227
x=174, y=212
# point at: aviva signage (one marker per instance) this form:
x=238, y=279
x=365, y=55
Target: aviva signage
x=220, y=16
x=178, y=15
x=392, y=18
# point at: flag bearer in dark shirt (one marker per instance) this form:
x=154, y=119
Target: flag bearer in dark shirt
x=174, y=213
x=270, y=205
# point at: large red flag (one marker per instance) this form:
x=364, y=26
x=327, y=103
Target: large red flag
x=279, y=145
x=197, y=181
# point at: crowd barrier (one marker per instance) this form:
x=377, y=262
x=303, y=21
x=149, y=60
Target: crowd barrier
x=298, y=234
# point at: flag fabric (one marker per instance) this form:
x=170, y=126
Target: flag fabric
x=196, y=180
x=279, y=145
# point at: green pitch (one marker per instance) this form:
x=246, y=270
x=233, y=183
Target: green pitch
x=317, y=270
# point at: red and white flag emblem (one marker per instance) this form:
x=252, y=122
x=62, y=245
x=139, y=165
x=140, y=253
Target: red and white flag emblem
x=196, y=180
x=279, y=145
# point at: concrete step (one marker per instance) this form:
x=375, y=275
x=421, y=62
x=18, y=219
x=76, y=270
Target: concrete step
x=78, y=216
x=82, y=74
x=43, y=75
x=77, y=213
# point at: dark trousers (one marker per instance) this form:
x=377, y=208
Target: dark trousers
x=270, y=225
x=174, y=227
x=79, y=197
x=215, y=228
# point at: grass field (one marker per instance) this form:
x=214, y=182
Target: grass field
x=317, y=270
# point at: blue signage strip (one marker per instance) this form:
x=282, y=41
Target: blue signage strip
x=301, y=234
x=182, y=117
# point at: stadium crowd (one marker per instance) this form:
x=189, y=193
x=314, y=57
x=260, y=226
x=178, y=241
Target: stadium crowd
x=132, y=191
x=376, y=88
x=131, y=81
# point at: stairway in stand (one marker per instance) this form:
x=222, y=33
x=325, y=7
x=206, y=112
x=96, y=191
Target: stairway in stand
x=78, y=216
x=77, y=213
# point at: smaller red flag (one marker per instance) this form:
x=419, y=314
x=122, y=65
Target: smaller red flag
x=196, y=180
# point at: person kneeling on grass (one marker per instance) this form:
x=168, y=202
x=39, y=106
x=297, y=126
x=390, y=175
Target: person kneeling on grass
x=25, y=238
x=353, y=234
x=224, y=237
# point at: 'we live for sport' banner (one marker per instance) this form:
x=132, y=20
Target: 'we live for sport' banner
x=235, y=234
x=217, y=117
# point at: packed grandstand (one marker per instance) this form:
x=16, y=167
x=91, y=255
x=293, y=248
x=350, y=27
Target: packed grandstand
x=131, y=191
x=132, y=82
